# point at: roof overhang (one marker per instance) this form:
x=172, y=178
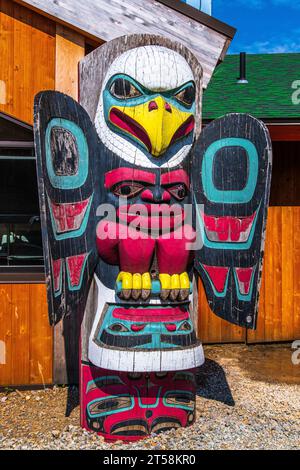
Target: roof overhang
x=103, y=21
x=201, y=17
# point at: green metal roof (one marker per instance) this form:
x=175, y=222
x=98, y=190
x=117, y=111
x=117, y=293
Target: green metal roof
x=268, y=95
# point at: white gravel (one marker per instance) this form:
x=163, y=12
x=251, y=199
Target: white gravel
x=248, y=398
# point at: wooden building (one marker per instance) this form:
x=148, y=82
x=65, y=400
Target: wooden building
x=41, y=44
x=270, y=95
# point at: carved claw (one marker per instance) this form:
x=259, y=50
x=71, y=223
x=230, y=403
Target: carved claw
x=174, y=287
x=134, y=285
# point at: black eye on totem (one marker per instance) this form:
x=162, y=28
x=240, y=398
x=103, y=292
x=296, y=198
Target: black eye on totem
x=185, y=326
x=186, y=96
x=119, y=328
x=179, y=191
x=127, y=189
x=124, y=89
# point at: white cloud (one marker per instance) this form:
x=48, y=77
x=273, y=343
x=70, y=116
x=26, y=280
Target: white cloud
x=260, y=4
x=268, y=47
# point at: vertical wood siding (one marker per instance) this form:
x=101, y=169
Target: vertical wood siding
x=70, y=49
x=25, y=335
x=279, y=318
x=27, y=58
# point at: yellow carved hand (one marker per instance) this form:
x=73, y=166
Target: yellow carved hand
x=134, y=285
x=175, y=287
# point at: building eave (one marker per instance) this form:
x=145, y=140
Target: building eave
x=101, y=21
x=201, y=17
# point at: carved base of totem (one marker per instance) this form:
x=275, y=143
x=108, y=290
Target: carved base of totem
x=131, y=406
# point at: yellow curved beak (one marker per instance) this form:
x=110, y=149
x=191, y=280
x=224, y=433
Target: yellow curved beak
x=156, y=123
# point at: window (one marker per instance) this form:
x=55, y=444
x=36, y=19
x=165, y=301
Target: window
x=20, y=229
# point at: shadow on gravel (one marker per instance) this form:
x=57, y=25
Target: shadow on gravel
x=72, y=400
x=212, y=383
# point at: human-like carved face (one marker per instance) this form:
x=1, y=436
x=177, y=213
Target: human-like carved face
x=155, y=198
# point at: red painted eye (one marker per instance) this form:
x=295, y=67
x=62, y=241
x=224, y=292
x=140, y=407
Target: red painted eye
x=179, y=191
x=127, y=189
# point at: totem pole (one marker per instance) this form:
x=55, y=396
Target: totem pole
x=135, y=201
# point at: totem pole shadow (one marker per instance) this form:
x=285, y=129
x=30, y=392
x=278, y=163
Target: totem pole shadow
x=212, y=383
x=72, y=399
x=71, y=333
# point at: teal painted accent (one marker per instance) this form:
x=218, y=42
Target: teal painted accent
x=146, y=94
x=75, y=288
x=155, y=329
x=222, y=294
x=183, y=407
x=58, y=293
x=242, y=297
x=73, y=233
x=112, y=397
x=77, y=180
x=229, y=197
x=110, y=101
x=225, y=245
x=155, y=289
x=155, y=405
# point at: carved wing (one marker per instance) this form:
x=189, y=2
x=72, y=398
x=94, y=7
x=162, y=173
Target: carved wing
x=231, y=181
x=67, y=150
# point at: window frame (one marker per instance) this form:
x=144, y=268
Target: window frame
x=25, y=273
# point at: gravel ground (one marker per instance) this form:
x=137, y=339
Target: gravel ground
x=247, y=398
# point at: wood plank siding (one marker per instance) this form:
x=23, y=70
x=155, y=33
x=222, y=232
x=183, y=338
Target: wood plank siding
x=27, y=53
x=70, y=49
x=25, y=335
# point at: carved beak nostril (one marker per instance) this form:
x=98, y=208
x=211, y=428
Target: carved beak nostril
x=152, y=106
x=168, y=107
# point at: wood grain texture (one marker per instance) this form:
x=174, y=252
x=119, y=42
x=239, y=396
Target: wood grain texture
x=212, y=329
x=109, y=20
x=279, y=304
x=41, y=337
x=6, y=334
x=70, y=49
x=20, y=333
x=27, y=57
x=25, y=330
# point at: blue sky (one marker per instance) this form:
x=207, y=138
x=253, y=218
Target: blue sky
x=264, y=26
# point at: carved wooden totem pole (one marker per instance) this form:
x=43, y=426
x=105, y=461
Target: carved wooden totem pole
x=134, y=201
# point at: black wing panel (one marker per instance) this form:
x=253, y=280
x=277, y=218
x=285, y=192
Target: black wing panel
x=67, y=158
x=231, y=182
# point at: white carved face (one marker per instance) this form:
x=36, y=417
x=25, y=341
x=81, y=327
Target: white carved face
x=146, y=110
